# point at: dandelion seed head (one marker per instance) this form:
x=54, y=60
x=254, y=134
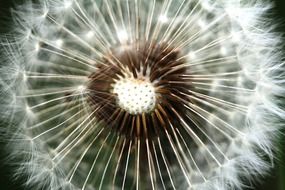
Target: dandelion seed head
x=159, y=94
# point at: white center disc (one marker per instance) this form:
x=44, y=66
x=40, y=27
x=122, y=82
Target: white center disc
x=134, y=95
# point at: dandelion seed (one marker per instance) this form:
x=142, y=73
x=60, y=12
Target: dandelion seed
x=139, y=94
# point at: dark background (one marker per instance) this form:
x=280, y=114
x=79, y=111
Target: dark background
x=275, y=180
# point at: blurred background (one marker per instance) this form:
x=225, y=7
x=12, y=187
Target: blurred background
x=275, y=180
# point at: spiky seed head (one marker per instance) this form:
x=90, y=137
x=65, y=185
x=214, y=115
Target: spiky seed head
x=160, y=94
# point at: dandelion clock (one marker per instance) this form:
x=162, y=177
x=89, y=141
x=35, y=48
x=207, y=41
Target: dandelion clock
x=141, y=94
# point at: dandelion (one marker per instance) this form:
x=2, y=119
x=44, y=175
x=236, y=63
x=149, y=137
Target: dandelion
x=142, y=94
